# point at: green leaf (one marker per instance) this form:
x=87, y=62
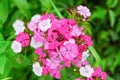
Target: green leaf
x=8, y=78
x=23, y=7
x=3, y=46
x=2, y=63
x=1, y=37
x=87, y=28
x=4, y=10
x=99, y=11
x=116, y=61
x=109, y=78
x=64, y=74
x=112, y=17
x=1, y=26
x=7, y=69
x=91, y=59
x=55, y=8
x=20, y=61
x=96, y=56
x=45, y=5
x=114, y=35
x=112, y=3
x=46, y=77
x=118, y=26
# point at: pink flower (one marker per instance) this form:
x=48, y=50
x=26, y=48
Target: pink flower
x=71, y=40
x=39, y=51
x=76, y=31
x=69, y=51
x=83, y=11
x=99, y=74
x=23, y=38
x=65, y=28
x=104, y=75
x=45, y=71
x=39, y=37
x=45, y=25
x=46, y=16
x=32, y=26
x=77, y=79
x=87, y=40
x=54, y=40
x=55, y=73
x=53, y=63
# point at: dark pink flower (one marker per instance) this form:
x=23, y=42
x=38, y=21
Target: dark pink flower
x=23, y=38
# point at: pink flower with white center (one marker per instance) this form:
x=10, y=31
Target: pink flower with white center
x=16, y=46
x=39, y=37
x=83, y=11
x=85, y=54
x=44, y=25
x=35, y=44
x=32, y=26
x=23, y=38
x=69, y=51
x=18, y=26
x=37, y=69
x=86, y=71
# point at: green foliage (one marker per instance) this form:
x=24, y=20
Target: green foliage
x=2, y=63
x=23, y=6
x=4, y=10
x=112, y=18
x=112, y=3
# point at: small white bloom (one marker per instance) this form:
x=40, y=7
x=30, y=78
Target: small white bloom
x=35, y=44
x=35, y=18
x=37, y=69
x=45, y=25
x=16, y=46
x=85, y=54
x=86, y=71
x=18, y=26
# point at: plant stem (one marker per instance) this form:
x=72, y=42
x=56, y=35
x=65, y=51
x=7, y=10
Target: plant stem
x=55, y=8
x=95, y=54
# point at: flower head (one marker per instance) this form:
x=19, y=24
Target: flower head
x=44, y=25
x=69, y=51
x=37, y=69
x=83, y=11
x=18, y=26
x=16, y=46
x=86, y=71
x=23, y=38
x=35, y=44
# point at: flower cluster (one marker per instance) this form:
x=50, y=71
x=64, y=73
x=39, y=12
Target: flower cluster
x=83, y=11
x=59, y=43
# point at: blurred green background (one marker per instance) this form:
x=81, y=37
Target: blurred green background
x=104, y=24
